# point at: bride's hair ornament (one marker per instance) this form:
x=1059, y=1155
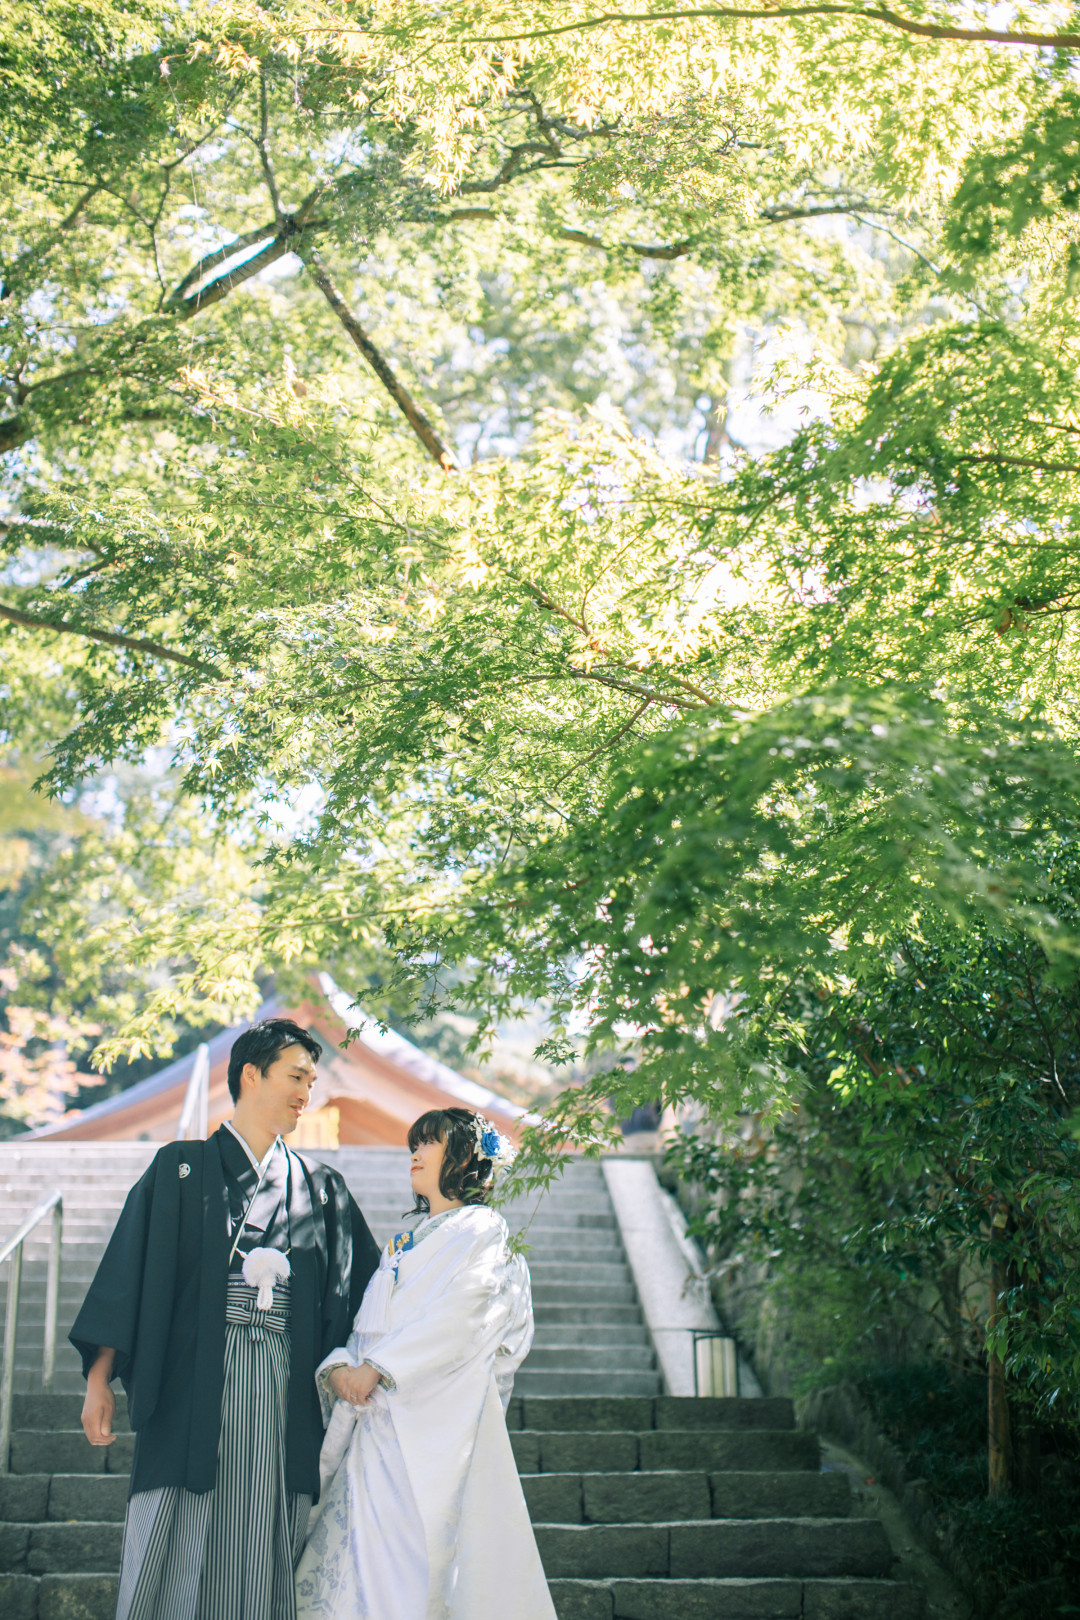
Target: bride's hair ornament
x=491, y=1144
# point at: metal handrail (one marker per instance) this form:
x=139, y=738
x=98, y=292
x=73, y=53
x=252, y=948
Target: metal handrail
x=53, y=1205
x=194, y=1116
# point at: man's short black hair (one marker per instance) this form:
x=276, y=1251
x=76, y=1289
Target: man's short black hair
x=261, y=1044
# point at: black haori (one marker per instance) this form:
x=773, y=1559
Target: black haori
x=159, y=1300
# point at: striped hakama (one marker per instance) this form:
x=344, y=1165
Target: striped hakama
x=228, y=1554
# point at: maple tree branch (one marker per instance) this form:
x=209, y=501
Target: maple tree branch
x=573, y=673
x=70, y=220
x=644, y=250
x=511, y=167
x=217, y=256
x=778, y=215
x=30, y=621
x=421, y=425
x=608, y=742
x=992, y=459
x=909, y=247
x=278, y=236
x=26, y=389
x=549, y=604
x=264, y=149
x=879, y=14
x=1054, y=427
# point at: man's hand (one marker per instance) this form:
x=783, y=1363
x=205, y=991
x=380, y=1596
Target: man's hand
x=99, y=1407
x=354, y=1384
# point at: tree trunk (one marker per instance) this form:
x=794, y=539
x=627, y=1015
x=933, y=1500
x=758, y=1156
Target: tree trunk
x=1027, y=1454
x=1000, y=1441
x=947, y=1280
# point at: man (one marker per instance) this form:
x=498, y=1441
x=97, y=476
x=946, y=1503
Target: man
x=234, y=1268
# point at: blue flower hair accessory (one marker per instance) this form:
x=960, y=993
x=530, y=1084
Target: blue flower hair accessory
x=490, y=1144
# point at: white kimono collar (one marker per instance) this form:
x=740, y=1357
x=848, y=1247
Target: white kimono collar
x=261, y=1167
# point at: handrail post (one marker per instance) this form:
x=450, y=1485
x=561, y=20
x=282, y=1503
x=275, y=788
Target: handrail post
x=203, y=1112
x=7, y=1379
x=194, y=1115
x=13, y=1250
x=52, y=1296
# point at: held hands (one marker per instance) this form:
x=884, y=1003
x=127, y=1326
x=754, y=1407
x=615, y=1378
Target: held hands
x=353, y=1384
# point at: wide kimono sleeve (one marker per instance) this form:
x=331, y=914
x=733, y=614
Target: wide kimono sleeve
x=468, y=1305
x=110, y=1313
x=365, y=1256
x=352, y=1258
x=517, y=1335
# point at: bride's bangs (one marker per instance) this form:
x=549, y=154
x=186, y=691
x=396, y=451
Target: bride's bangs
x=432, y=1127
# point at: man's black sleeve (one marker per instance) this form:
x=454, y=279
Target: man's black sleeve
x=110, y=1311
x=353, y=1257
x=365, y=1257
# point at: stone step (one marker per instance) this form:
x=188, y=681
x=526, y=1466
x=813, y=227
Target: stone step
x=571, y=1220
x=85, y=1242
x=554, y=1248
x=95, y=1209
x=791, y=1547
x=647, y=1497
x=573, y=1293
x=58, y=1597
x=60, y=1549
x=551, y=1450
x=68, y=1380
x=60, y=1411
x=34, y=1498
x=734, y=1599
x=585, y=1381
x=618, y=1333
x=583, y=1315
x=749, y=1451
x=594, y=1357
x=78, y=1187
x=579, y=1273
x=797, y=1548
x=685, y=1412
x=67, y=1451
x=104, y=1163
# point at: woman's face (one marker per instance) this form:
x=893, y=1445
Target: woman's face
x=424, y=1168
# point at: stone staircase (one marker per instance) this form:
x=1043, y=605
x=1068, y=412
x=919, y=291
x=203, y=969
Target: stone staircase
x=646, y=1506
x=676, y=1508
x=590, y=1334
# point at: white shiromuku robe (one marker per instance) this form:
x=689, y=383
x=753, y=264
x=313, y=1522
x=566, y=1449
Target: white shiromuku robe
x=421, y=1514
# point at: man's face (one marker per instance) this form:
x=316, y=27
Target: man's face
x=283, y=1092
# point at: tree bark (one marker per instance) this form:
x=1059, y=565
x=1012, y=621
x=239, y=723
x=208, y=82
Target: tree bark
x=416, y=418
x=999, y=1439
x=947, y=1281
x=880, y=14
x=109, y=638
x=1027, y=1455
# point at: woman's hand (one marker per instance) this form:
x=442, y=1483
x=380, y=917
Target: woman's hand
x=354, y=1384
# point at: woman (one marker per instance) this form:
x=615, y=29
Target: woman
x=421, y=1514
